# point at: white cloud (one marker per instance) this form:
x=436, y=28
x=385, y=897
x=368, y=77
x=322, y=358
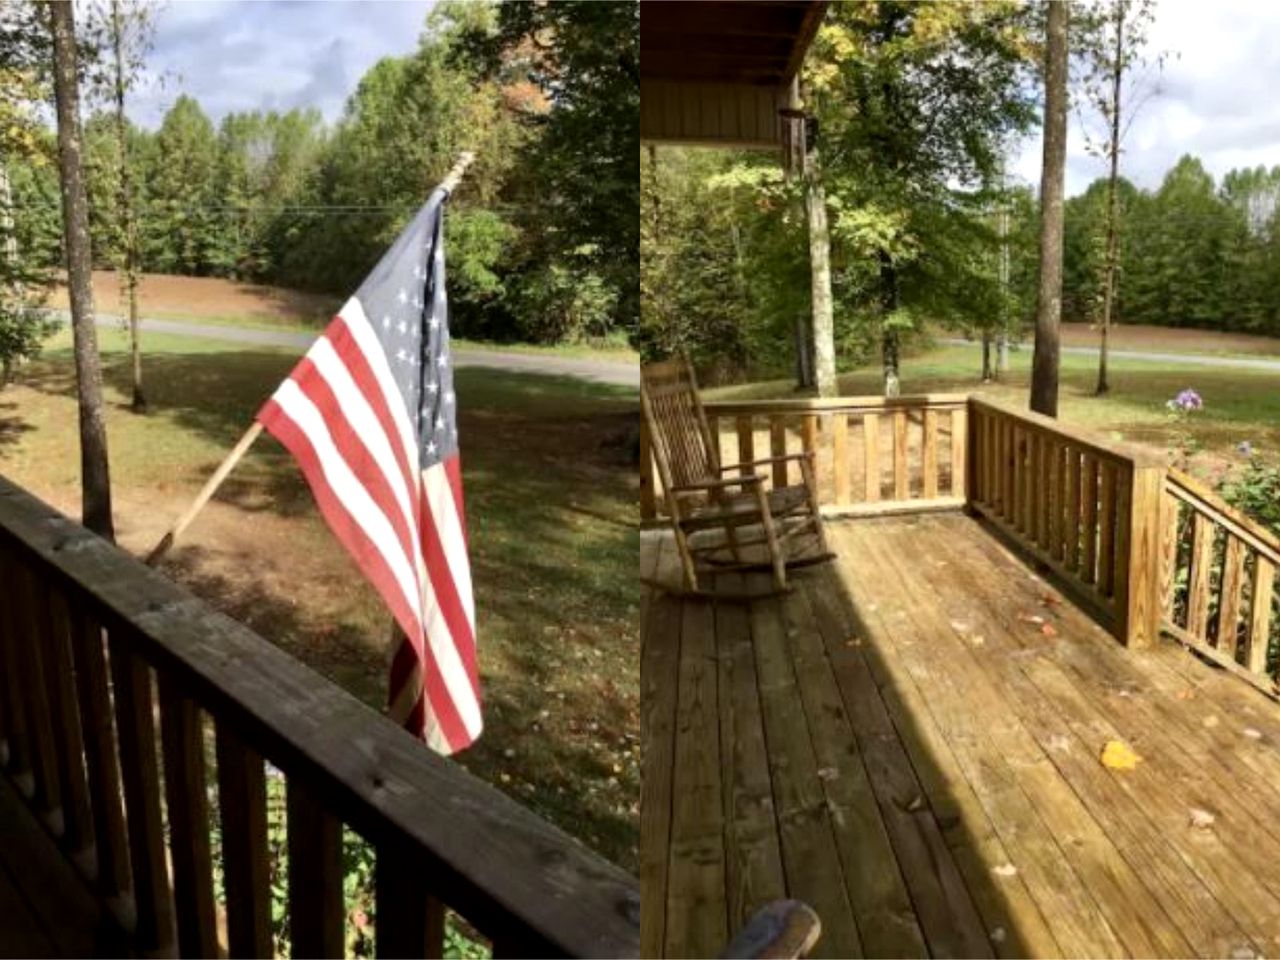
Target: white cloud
x=1216, y=99
x=271, y=55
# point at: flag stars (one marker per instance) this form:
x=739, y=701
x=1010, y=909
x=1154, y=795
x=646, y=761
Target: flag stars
x=443, y=361
x=431, y=448
x=403, y=328
x=433, y=388
x=448, y=399
x=403, y=296
x=386, y=322
x=434, y=322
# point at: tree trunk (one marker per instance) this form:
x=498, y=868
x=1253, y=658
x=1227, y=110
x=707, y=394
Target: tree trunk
x=986, y=356
x=95, y=477
x=824, y=331
x=127, y=213
x=890, y=339
x=10, y=253
x=1113, y=227
x=1002, y=354
x=1044, y=372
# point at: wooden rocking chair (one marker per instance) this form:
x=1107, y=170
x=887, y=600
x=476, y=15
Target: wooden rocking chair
x=722, y=514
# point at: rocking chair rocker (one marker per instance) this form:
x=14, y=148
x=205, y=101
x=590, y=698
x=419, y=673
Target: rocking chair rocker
x=722, y=514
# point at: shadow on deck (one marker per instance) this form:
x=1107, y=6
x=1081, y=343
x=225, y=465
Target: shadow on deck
x=910, y=741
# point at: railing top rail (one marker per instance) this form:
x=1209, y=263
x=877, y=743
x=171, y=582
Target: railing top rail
x=495, y=861
x=1207, y=501
x=935, y=401
x=1111, y=450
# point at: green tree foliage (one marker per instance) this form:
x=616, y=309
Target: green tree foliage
x=180, y=232
x=1193, y=254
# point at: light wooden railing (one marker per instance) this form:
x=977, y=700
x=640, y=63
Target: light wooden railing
x=1090, y=511
x=872, y=455
x=89, y=636
x=1218, y=581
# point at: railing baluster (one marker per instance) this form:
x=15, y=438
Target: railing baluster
x=746, y=444
x=1169, y=509
x=31, y=610
x=410, y=920
x=959, y=446
x=1263, y=586
x=838, y=426
x=900, y=488
x=1198, y=578
x=182, y=739
x=17, y=729
x=1039, y=490
x=1071, y=535
x=242, y=800
x=1229, y=596
x=929, y=456
x=135, y=725
x=110, y=842
x=809, y=444
x=1089, y=518
x=871, y=444
x=1107, y=531
x=316, y=908
x=778, y=448
x=77, y=818
x=1053, y=499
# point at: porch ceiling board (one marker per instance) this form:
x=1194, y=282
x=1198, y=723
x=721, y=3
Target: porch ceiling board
x=717, y=71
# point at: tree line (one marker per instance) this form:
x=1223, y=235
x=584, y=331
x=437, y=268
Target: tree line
x=284, y=198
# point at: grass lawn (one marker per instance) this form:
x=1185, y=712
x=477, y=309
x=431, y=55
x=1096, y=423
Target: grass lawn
x=551, y=505
x=1239, y=404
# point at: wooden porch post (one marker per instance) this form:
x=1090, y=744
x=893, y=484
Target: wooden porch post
x=1138, y=556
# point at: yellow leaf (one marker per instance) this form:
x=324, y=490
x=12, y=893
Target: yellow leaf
x=1118, y=755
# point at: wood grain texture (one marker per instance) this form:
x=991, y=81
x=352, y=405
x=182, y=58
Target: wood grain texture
x=316, y=908
x=242, y=801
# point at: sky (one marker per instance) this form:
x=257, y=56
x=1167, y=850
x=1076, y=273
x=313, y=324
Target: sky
x=1217, y=97
x=271, y=55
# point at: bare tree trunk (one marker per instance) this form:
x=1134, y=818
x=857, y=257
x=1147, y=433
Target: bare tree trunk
x=1113, y=227
x=986, y=356
x=824, y=332
x=127, y=212
x=1044, y=371
x=890, y=338
x=95, y=477
x=1002, y=354
x=10, y=254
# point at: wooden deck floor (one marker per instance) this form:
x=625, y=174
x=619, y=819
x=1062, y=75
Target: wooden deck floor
x=910, y=742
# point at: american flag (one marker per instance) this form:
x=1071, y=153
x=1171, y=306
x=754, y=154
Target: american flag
x=370, y=416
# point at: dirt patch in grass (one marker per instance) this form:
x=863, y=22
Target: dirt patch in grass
x=553, y=527
x=208, y=298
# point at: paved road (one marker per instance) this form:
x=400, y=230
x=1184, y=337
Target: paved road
x=586, y=368
x=1193, y=359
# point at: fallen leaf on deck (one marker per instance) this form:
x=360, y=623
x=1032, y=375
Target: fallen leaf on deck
x=1185, y=694
x=1252, y=734
x=1030, y=618
x=917, y=803
x=1048, y=629
x=997, y=935
x=977, y=639
x=1201, y=818
x=1118, y=755
x=828, y=773
x=1211, y=721
x=1005, y=870
x=1060, y=743
x=1049, y=600
x=959, y=626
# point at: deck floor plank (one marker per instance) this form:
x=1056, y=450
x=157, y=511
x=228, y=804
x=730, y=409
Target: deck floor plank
x=697, y=917
x=753, y=855
x=805, y=825
x=1141, y=831
x=855, y=744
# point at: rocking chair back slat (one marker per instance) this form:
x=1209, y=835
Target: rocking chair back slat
x=678, y=424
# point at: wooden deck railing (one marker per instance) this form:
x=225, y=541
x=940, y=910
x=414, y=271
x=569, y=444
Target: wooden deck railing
x=873, y=455
x=1218, y=581
x=1088, y=510
x=84, y=631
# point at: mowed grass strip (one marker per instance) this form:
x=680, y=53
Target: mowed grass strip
x=553, y=527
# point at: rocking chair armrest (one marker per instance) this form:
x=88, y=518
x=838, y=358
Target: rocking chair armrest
x=805, y=455
x=704, y=485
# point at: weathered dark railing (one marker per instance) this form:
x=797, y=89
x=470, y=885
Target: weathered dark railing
x=1089, y=510
x=84, y=629
x=873, y=455
x=1218, y=581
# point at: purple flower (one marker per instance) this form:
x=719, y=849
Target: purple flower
x=1245, y=448
x=1186, y=401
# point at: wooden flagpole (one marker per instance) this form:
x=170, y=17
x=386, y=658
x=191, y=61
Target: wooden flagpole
x=448, y=184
